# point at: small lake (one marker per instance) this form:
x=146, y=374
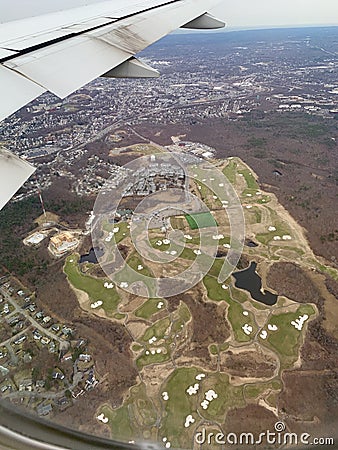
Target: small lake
x=250, y=243
x=91, y=257
x=249, y=280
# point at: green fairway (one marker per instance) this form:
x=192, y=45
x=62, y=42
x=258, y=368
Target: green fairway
x=215, y=290
x=122, y=233
x=237, y=320
x=228, y=396
x=149, y=308
x=158, y=358
x=184, y=312
x=201, y=220
x=250, y=179
x=135, y=262
x=158, y=329
x=213, y=349
x=287, y=338
x=230, y=171
x=94, y=287
x=281, y=229
x=179, y=405
x=119, y=422
x=135, y=418
x=256, y=389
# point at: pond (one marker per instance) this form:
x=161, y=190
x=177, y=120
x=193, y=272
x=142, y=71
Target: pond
x=250, y=243
x=249, y=280
x=91, y=257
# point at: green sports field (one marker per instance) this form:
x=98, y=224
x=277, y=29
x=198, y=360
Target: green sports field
x=201, y=220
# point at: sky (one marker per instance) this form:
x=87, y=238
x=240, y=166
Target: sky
x=275, y=13
x=236, y=13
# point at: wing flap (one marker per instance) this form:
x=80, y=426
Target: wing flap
x=15, y=91
x=13, y=173
x=64, y=67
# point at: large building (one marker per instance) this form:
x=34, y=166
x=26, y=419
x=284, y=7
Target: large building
x=63, y=243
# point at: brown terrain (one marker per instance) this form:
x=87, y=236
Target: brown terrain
x=251, y=418
x=248, y=364
x=208, y=320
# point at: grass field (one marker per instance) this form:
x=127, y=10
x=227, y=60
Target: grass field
x=135, y=418
x=213, y=349
x=250, y=179
x=149, y=308
x=253, y=215
x=240, y=295
x=181, y=316
x=287, y=338
x=129, y=273
x=184, y=312
x=201, y=220
x=158, y=329
x=252, y=391
x=228, y=396
x=94, y=287
x=281, y=229
x=237, y=320
x=119, y=423
x=121, y=234
x=263, y=199
x=134, y=261
x=230, y=170
x=179, y=405
x=214, y=289
x=146, y=360
x=178, y=222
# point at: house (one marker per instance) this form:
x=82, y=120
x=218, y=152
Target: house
x=44, y=410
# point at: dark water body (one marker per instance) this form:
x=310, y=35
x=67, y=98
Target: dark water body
x=249, y=280
x=91, y=257
x=250, y=243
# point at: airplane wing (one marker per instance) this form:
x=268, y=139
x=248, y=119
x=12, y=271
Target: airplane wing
x=61, y=52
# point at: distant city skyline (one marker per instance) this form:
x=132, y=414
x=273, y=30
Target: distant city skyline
x=237, y=14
